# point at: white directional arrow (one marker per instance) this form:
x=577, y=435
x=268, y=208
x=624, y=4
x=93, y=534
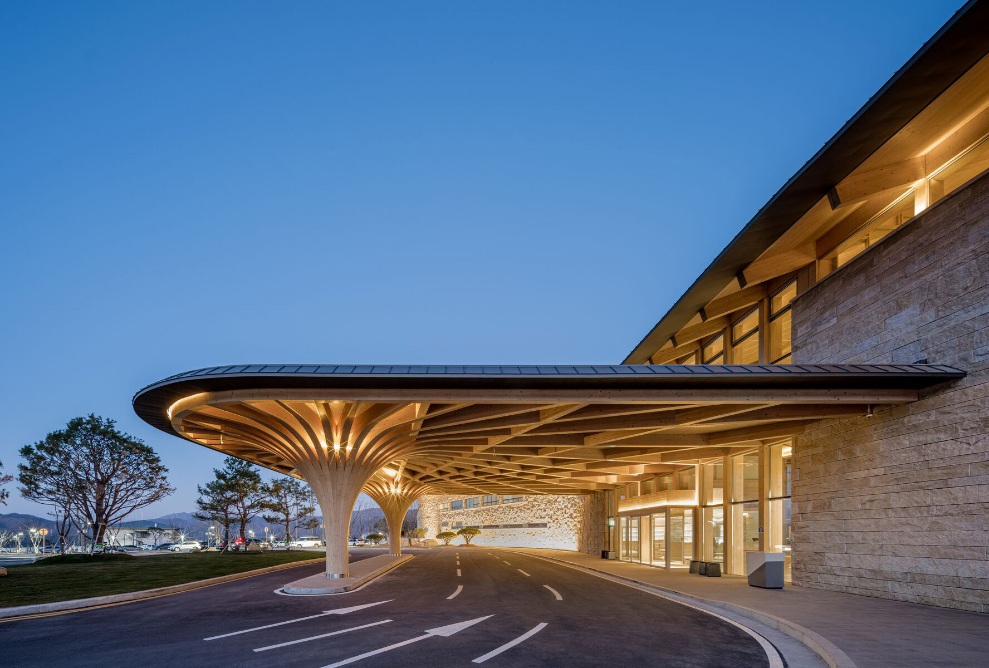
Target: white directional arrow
x=338, y=611
x=442, y=631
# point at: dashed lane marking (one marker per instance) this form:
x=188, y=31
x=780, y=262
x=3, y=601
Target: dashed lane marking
x=523, y=572
x=322, y=635
x=508, y=645
x=458, y=572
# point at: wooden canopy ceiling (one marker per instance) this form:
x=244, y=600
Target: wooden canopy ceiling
x=513, y=430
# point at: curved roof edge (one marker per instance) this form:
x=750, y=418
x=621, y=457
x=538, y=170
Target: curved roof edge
x=151, y=403
x=953, y=50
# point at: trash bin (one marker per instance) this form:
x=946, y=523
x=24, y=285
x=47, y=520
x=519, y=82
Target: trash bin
x=607, y=554
x=764, y=569
x=695, y=566
x=713, y=569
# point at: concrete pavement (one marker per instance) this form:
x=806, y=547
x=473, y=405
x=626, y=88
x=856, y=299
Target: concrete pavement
x=872, y=632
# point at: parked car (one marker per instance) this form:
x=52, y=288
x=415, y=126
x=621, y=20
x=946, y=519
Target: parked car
x=308, y=541
x=163, y=546
x=186, y=546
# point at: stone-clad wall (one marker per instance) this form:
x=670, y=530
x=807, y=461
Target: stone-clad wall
x=897, y=506
x=568, y=521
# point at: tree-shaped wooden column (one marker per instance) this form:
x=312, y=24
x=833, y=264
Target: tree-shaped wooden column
x=395, y=494
x=335, y=446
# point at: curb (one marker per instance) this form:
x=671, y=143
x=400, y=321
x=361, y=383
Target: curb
x=79, y=604
x=824, y=648
x=350, y=586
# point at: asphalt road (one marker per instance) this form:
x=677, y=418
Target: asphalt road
x=447, y=607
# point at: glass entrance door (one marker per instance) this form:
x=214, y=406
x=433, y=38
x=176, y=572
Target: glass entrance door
x=681, y=537
x=659, y=539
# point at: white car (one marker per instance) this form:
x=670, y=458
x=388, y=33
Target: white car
x=307, y=541
x=186, y=546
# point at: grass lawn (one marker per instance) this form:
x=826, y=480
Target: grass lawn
x=47, y=580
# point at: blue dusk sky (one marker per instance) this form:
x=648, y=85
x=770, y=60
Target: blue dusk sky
x=192, y=184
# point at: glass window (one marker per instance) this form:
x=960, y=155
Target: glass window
x=445, y=506
x=780, y=469
x=745, y=477
x=745, y=533
x=745, y=339
x=714, y=484
x=780, y=323
x=473, y=502
x=963, y=169
x=688, y=359
x=780, y=338
x=490, y=500
x=714, y=534
x=778, y=538
x=713, y=351
x=456, y=505
x=782, y=298
x=511, y=499
x=899, y=213
x=686, y=478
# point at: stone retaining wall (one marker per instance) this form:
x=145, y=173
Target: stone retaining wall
x=557, y=522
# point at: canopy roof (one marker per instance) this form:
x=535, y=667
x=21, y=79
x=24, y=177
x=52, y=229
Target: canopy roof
x=515, y=429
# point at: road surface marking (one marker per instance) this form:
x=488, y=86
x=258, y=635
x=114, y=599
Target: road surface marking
x=506, y=562
x=508, y=645
x=460, y=588
x=775, y=659
x=555, y=593
x=322, y=635
x=338, y=611
x=442, y=631
x=523, y=572
x=458, y=572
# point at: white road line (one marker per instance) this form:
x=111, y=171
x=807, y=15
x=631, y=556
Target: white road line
x=442, y=631
x=460, y=588
x=458, y=572
x=555, y=593
x=508, y=645
x=523, y=572
x=506, y=562
x=322, y=635
x=775, y=659
x=338, y=611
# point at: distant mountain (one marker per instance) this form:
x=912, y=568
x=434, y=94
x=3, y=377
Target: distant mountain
x=364, y=520
x=24, y=522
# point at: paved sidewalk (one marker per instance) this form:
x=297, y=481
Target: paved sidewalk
x=873, y=632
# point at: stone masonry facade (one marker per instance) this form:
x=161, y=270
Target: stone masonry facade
x=897, y=505
x=572, y=522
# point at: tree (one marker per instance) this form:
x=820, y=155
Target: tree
x=102, y=475
x=468, y=533
x=446, y=536
x=416, y=535
x=243, y=484
x=288, y=500
x=4, y=479
x=376, y=537
x=216, y=504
